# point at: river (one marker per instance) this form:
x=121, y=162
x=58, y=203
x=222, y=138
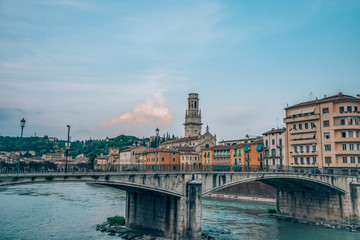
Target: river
x=70, y=210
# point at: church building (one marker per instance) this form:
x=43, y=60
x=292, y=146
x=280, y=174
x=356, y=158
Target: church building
x=193, y=134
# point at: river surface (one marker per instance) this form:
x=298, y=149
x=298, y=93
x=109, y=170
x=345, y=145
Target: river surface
x=71, y=210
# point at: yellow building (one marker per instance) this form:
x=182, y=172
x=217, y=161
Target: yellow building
x=164, y=159
x=239, y=157
x=324, y=133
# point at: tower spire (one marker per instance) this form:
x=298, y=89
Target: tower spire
x=193, y=117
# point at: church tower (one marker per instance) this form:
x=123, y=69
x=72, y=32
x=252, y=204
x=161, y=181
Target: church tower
x=193, y=117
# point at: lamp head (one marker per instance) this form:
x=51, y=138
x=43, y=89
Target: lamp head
x=22, y=123
x=157, y=131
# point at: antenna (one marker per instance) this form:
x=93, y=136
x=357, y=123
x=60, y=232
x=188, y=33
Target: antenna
x=310, y=96
x=277, y=122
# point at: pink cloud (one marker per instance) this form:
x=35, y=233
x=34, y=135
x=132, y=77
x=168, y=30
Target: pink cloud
x=153, y=111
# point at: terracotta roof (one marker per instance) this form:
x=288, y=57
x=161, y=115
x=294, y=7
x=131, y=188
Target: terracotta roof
x=152, y=150
x=180, y=140
x=129, y=149
x=220, y=147
x=186, y=149
x=335, y=98
x=239, y=140
x=278, y=130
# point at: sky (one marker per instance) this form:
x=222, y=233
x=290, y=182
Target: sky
x=126, y=67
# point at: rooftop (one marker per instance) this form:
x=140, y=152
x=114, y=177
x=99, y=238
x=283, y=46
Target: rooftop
x=335, y=98
x=277, y=130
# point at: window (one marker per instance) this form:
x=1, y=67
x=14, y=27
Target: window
x=327, y=147
x=326, y=123
x=344, y=147
x=306, y=125
x=325, y=110
x=295, y=149
x=235, y=162
x=173, y=159
x=355, y=108
x=273, y=153
x=296, y=161
x=280, y=142
x=302, y=160
x=344, y=159
x=294, y=126
x=343, y=134
x=308, y=160
x=273, y=161
x=314, y=148
x=308, y=148
x=342, y=122
x=358, y=159
x=314, y=160
x=300, y=126
x=352, y=159
x=351, y=147
x=326, y=135
x=280, y=152
x=341, y=109
x=313, y=125
x=266, y=143
x=273, y=142
x=349, y=108
x=302, y=149
x=162, y=159
x=327, y=160
x=357, y=134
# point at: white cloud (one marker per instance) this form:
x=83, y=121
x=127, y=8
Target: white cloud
x=153, y=111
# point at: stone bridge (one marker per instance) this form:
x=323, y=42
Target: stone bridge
x=169, y=204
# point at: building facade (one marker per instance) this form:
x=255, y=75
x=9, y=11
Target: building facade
x=162, y=159
x=324, y=133
x=274, y=148
x=240, y=157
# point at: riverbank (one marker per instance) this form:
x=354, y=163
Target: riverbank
x=247, y=198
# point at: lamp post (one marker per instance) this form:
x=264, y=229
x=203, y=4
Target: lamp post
x=106, y=152
x=22, y=125
x=157, y=148
x=67, y=148
x=313, y=150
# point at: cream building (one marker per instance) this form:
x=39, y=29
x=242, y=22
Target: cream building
x=274, y=148
x=324, y=133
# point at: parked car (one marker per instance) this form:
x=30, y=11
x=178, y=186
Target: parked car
x=313, y=171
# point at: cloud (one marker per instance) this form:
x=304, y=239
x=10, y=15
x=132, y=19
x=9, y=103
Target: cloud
x=153, y=111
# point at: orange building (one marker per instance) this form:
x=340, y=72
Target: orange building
x=324, y=133
x=239, y=157
x=164, y=159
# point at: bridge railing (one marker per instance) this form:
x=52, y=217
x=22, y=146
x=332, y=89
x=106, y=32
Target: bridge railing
x=194, y=167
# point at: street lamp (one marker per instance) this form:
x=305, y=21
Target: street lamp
x=22, y=125
x=313, y=150
x=157, y=148
x=106, y=152
x=67, y=148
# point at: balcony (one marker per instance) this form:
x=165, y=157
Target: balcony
x=302, y=119
x=279, y=146
x=260, y=158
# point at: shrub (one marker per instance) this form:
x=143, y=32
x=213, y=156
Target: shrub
x=116, y=220
x=271, y=210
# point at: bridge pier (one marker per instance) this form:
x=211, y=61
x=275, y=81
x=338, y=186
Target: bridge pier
x=165, y=215
x=326, y=207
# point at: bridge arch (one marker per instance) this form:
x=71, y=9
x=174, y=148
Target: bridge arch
x=286, y=183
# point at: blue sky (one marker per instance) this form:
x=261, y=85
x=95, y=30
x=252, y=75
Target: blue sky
x=126, y=67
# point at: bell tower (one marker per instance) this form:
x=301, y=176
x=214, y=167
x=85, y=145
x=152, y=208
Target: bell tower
x=193, y=117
